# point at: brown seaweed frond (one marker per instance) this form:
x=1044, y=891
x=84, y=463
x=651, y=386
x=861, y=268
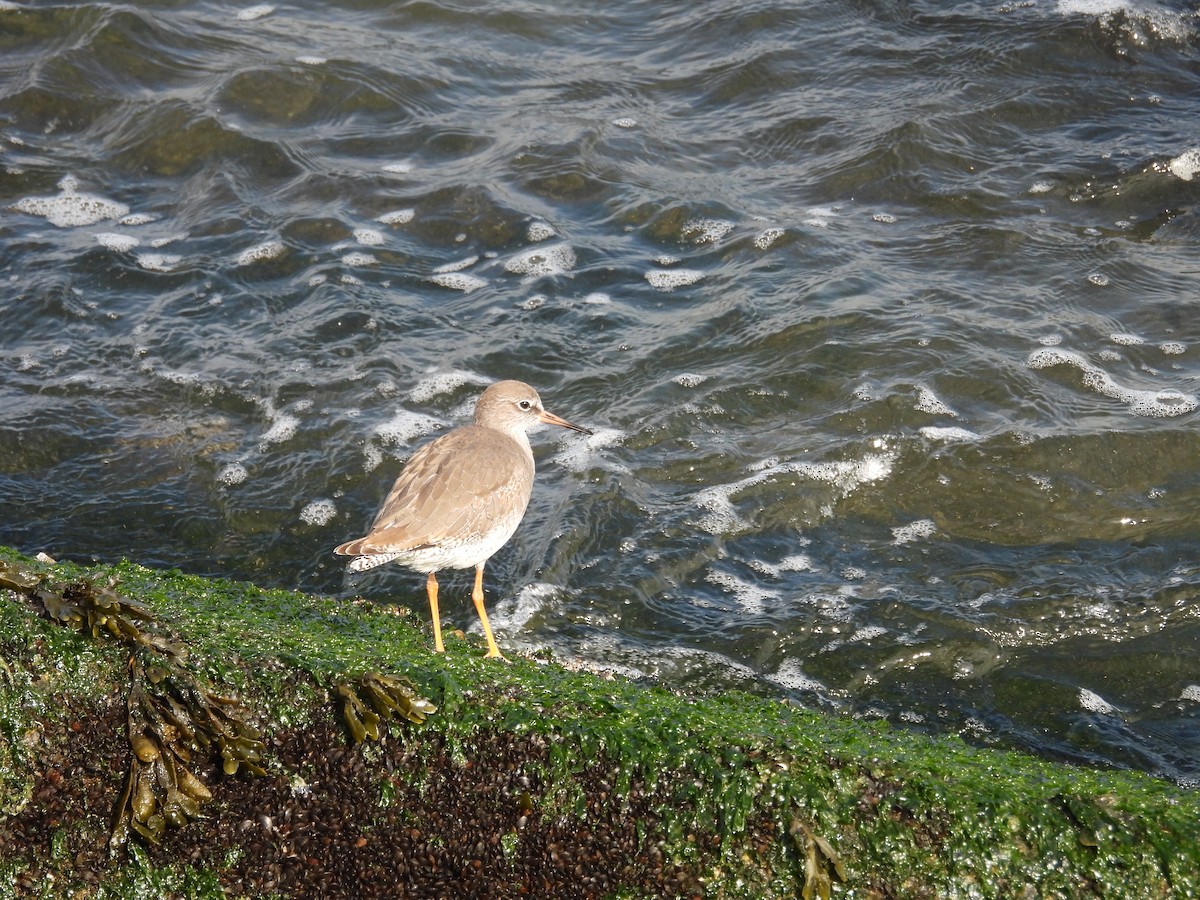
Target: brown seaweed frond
x=377, y=698
x=170, y=718
x=821, y=863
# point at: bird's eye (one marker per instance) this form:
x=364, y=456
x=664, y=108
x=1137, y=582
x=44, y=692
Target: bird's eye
x=525, y=404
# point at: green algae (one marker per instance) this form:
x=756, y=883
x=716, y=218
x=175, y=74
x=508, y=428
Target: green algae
x=845, y=806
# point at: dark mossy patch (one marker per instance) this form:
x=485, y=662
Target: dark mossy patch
x=401, y=818
x=76, y=775
x=404, y=819
x=530, y=779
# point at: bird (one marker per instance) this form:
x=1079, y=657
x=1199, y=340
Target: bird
x=460, y=497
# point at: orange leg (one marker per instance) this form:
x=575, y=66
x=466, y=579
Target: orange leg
x=431, y=588
x=477, y=596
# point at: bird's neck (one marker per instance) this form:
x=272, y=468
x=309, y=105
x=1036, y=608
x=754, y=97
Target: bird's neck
x=522, y=440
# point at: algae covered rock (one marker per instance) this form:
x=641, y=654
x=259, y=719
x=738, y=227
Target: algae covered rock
x=295, y=745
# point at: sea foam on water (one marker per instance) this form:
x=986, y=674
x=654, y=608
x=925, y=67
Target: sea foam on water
x=70, y=208
x=1157, y=404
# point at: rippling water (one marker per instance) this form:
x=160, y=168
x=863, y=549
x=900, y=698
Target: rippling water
x=885, y=315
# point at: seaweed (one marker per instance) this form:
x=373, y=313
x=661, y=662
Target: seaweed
x=386, y=697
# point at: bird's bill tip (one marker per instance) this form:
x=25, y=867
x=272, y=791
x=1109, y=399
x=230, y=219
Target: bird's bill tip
x=551, y=419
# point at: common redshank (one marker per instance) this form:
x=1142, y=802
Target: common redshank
x=460, y=498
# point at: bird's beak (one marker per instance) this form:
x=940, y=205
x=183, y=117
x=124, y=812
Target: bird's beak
x=551, y=419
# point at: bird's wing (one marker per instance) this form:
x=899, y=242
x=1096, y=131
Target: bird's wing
x=458, y=486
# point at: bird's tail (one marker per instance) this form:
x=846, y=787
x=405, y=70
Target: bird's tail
x=362, y=563
x=351, y=548
x=363, y=559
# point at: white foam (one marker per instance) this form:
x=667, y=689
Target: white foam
x=458, y=281
x=950, y=433
x=749, y=596
x=358, y=258
x=442, y=383
x=976, y=726
x=260, y=252
x=312, y=60
x=791, y=677
x=625, y=122
x=71, y=209
x=689, y=379
x=765, y=239
x=576, y=455
x=1093, y=702
x=1157, y=404
x=283, y=427
x=175, y=376
x=1186, y=165
x=706, y=231
x=542, y=261
x=512, y=614
x=252, y=13
x=457, y=266
x=234, y=473
x=867, y=633
x=136, y=219
x=158, y=262
x=1191, y=692
x=1128, y=340
x=884, y=218
x=1173, y=348
x=1092, y=7
x=669, y=279
x=799, y=562
x=846, y=475
x=597, y=298
x=1099, y=279
x=819, y=216
x=913, y=531
x=928, y=402
x=404, y=427
x=722, y=517
x=398, y=168
x=318, y=512
x=539, y=231
x=397, y=217
x=849, y=475
x=118, y=243
x=369, y=237
x=1041, y=187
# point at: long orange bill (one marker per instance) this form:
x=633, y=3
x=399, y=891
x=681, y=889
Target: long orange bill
x=551, y=419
